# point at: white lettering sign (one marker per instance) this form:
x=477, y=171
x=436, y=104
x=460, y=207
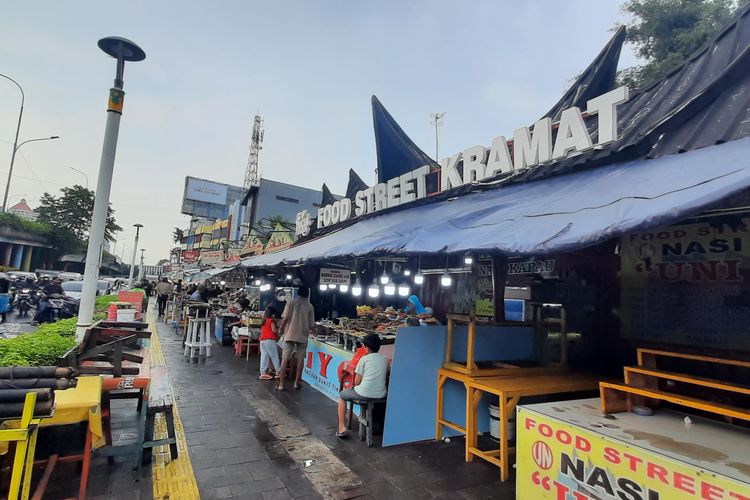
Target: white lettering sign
x=329, y=276
x=531, y=147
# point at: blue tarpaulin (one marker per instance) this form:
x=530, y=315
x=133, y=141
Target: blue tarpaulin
x=549, y=216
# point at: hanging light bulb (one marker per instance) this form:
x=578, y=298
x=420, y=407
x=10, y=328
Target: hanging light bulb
x=323, y=287
x=446, y=279
x=357, y=289
x=468, y=259
x=288, y=277
x=390, y=289
x=403, y=290
x=419, y=277
x=384, y=277
x=257, y=282
x=345, y=288
x=407, y=272
x=332, y=286
x=373, y=291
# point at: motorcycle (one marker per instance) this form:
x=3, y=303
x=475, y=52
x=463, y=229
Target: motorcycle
x=59, y=307
x=23, y=301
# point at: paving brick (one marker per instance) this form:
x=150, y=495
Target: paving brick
x=280, y=494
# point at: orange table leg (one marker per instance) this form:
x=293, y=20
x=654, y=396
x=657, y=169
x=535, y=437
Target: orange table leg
x=503, y=438
x=86, y=465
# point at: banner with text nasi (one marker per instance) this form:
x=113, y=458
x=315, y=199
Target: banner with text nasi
x=559, y=461
x=688, y=284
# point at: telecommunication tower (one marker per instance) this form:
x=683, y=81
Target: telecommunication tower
x=252, y=174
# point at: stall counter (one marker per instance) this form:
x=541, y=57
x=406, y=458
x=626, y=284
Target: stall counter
x=570, y=450
x=324, y=364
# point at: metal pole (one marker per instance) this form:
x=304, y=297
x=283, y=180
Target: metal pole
x=132, y=259
x=99, y=216
x=437, y=154
x=83, y=174
x=15, y=143
x=141, y=271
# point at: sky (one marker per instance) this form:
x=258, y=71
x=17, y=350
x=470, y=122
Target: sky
x=308, y=67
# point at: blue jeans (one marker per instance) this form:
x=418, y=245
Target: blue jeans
x=41, y=313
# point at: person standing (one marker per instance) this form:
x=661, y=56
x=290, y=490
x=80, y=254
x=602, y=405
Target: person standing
x=268, y=349
x=163, y=290
x=296, y=323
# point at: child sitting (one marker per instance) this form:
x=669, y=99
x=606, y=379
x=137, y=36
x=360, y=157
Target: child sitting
x=268, y=348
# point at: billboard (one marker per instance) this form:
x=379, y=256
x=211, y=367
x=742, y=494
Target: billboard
x=557, y=460
x=203, y=190
x=688, y=284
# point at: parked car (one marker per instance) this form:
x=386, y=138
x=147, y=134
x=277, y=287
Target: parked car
x=70, y=276
x=74, y=289
x=21, y=275
x=46, y=273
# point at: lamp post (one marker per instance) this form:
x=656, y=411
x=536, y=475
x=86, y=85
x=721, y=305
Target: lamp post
x=122, y=50
x=18, y=129
x=135, y=251
x=13, y=159
x=83, y=174
x=141, y=271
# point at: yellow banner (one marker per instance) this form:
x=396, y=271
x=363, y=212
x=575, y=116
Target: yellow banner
x=559, y=461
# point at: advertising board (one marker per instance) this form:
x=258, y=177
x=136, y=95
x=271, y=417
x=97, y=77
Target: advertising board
x=561, y=461
x=323, y=365
x=202, y=190
x=688, y=284
x=329, y=276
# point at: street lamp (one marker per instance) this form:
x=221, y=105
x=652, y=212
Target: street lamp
x=141, y=272
x=135, y=251
x=13, y=159
x=122, y=50
x=18, y=129
x=83, y=174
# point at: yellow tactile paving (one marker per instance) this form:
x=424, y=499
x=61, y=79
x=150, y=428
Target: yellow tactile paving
x=171, y=479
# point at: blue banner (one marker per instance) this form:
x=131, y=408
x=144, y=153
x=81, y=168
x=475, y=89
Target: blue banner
x=323, y=365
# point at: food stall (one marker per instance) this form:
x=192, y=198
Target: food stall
x=553, y=263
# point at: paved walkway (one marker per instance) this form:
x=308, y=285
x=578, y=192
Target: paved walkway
x=248, y=441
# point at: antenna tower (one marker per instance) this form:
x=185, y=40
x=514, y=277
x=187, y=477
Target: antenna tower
x=252, y=174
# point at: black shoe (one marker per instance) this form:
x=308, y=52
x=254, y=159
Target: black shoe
x=342, y=435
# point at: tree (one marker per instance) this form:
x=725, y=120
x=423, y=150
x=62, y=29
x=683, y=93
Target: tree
x=72, y=211
x=665, y=33
x=177, y=235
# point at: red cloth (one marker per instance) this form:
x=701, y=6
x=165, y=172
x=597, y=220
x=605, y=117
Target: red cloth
x=266, y=333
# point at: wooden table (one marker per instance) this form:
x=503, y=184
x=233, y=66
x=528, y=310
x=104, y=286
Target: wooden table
x=509, y=390
x=444, y=375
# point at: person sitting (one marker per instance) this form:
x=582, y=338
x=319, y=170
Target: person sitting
x=369, y=380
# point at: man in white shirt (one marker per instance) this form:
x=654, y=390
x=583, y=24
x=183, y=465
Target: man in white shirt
x=369, y=380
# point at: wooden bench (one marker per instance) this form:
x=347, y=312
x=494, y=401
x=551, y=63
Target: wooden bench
x=159, y=401
x=643, y=385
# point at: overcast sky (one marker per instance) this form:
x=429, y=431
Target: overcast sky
x=309, y=67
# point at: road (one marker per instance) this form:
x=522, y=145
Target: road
x=15, y=326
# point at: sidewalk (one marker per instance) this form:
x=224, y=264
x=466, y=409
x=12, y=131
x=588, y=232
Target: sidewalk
x=248, y=441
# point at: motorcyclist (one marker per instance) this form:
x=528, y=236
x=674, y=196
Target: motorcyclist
x=4, y=296
x=53, y=288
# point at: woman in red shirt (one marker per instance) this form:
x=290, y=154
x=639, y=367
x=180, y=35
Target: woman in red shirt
x=268, y=348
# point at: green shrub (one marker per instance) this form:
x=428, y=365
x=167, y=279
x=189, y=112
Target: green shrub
x=34, y=349
x=103, y=301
